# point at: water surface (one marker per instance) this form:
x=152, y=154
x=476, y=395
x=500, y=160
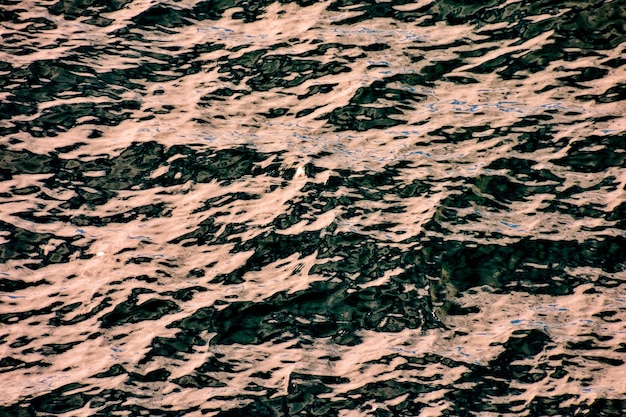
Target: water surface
x=335, y=208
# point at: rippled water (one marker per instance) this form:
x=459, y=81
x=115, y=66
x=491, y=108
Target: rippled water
x=337, y=208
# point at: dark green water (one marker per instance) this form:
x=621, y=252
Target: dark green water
x=339, y=208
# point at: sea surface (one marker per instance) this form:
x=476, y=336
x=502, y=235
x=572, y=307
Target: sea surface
x=299, y=208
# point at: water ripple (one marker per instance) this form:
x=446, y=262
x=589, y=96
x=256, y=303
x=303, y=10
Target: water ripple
x=329, y=208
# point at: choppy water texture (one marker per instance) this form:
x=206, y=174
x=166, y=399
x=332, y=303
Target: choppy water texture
x=339, y=208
